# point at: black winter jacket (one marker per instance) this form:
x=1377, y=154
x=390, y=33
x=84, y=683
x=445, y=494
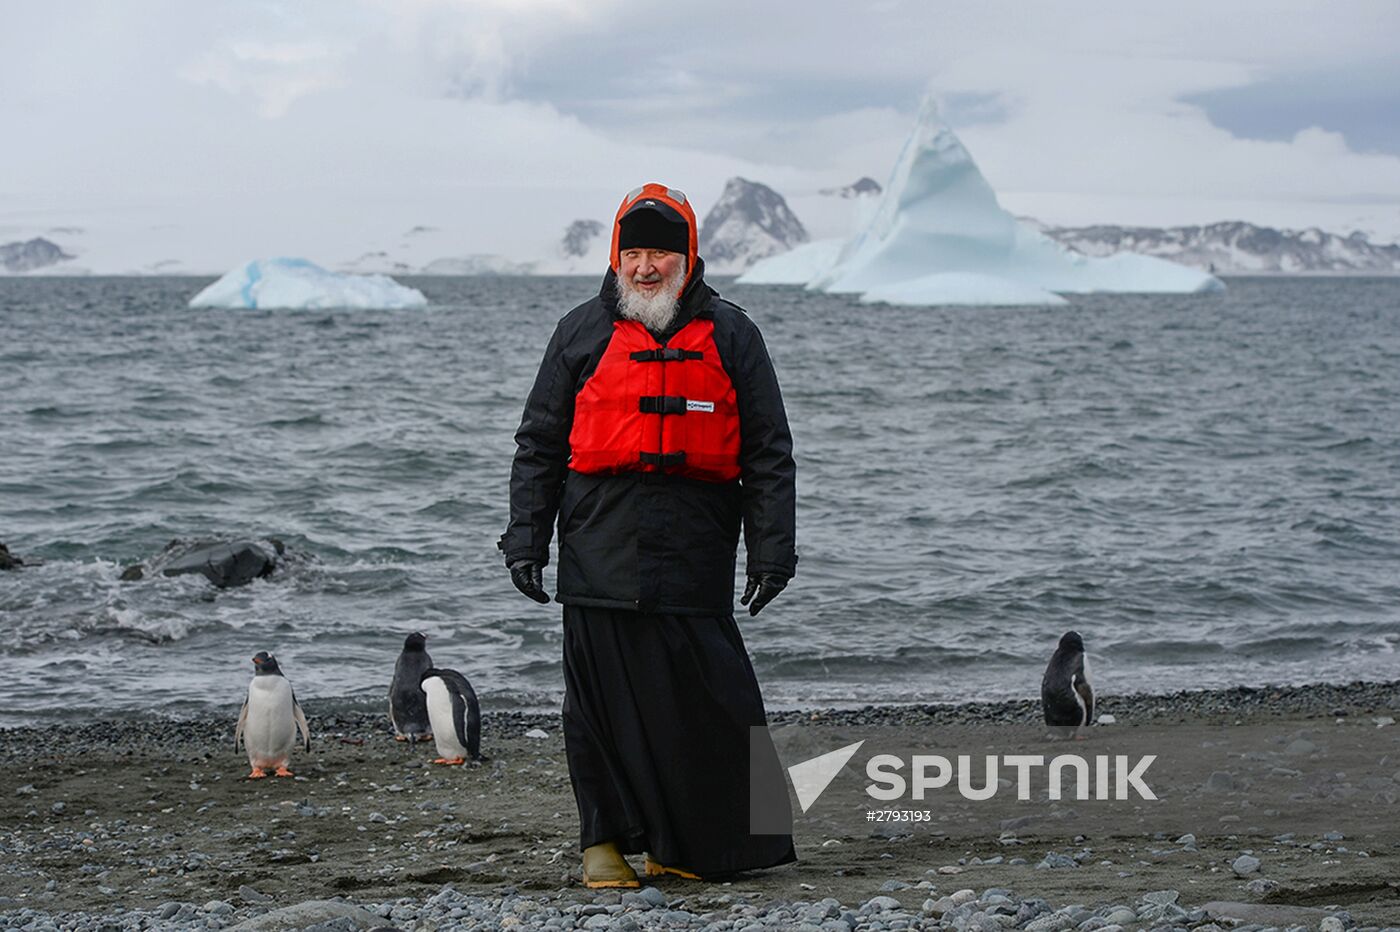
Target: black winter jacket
x=649, y=541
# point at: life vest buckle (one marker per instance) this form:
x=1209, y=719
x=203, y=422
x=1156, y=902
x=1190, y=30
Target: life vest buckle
x=665, y=354
x=662, y=404
x=664, y=460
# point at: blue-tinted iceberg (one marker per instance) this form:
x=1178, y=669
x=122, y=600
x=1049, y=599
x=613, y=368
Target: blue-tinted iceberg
x=796, y=266
x=961, y=288
x=940, y=237
x=297, y=283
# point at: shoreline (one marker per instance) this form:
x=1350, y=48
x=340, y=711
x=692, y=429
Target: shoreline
x=149, y=824
x=1224, y=704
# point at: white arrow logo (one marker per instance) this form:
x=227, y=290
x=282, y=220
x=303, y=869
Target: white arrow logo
x=811, y=777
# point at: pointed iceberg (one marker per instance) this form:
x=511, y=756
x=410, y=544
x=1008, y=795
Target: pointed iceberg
x=939, y=236
x=297, y=283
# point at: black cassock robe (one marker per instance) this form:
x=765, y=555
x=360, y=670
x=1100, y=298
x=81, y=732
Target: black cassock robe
x=657, y=716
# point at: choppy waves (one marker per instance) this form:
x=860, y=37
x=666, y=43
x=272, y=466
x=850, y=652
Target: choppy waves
x=1205, y=487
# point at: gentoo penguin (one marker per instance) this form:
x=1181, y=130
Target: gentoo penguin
x=270, y=719
x=1065, y=691
x=454, y=715
x=408, y=710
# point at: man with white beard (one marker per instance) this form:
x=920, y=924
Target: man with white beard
x=654, y=433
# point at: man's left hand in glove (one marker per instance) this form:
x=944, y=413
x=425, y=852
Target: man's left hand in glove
x=761, y=589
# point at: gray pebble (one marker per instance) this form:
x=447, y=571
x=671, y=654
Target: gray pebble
x=1244, y=865
x=1056, y=861
x=879, y=904
x=1221, y=782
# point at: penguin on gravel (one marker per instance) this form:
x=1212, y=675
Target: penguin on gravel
x=408, y=708
x=454, y=714
x=1065, y=693
x=270, y=720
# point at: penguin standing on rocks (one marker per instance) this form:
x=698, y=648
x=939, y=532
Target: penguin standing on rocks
x=270, y=720
x=1065, y=693
x=408, y=709
x=454, y=714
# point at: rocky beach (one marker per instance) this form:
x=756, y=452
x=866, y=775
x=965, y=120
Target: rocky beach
x=150, y=824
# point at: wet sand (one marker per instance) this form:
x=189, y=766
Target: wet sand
x=114, y=816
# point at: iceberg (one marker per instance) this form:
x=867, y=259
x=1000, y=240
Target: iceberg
x=961, y=288
x=939, y=236
x=298, y=283
x=796, y=266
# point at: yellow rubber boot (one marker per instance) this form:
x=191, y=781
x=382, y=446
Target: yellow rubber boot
x=657, y=869
x=604, y=866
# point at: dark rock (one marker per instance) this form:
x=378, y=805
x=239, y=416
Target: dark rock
x=8, y=561
x=224, y=563
x=863, y=187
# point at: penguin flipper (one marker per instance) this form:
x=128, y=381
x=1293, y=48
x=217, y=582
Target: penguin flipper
x=1086, y=697
x=300, y=718
x=242, y=723
x=466, y=712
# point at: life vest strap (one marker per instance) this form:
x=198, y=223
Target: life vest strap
x=666, y=354
x=662, y=404
x=663, y=460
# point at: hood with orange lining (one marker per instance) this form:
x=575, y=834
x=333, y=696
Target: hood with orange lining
x=671, y=204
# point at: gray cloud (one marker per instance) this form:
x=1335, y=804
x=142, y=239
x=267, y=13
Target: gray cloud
x=332, y=120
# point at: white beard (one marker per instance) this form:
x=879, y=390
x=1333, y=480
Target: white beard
x=657, y=311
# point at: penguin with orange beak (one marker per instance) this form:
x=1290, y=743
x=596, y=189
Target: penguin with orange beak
x=270, y=719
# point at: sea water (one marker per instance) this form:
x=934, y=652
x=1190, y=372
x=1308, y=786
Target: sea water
x=1206, y=487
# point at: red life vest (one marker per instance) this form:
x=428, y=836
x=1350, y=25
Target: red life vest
x=649, y=408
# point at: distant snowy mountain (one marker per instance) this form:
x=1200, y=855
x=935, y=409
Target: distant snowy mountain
x=477, y=265
x=1235, y=246
x=378, y=262
x=582, y=250
x=31, y=255
x=864, y=187
x=580, y=237
x=750, y=221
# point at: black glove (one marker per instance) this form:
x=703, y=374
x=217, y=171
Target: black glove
x=762, y=588
x=528, y=576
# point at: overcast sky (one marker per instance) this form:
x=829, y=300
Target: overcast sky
x=292, y=126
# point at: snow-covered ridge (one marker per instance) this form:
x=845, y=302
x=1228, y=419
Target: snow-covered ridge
x=1236, y=246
